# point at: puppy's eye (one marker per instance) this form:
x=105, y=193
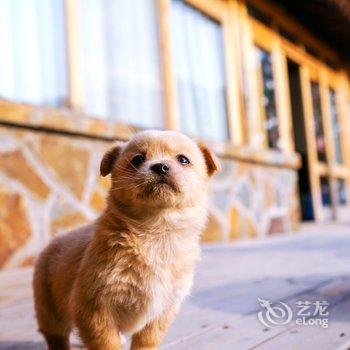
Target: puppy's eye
x=137, y=160
x=182, y=159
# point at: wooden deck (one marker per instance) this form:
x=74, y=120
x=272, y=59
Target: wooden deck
x=313, y=265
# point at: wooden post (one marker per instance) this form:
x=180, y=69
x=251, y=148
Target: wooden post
x=283, y=104
x=311, y=143
x=232, y=64
x=170, y=95
x=75, y=77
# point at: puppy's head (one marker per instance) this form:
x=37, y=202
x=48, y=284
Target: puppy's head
x=159, y=169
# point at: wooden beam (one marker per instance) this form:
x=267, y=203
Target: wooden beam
x=254, y=114
x=327, y=123
x=216, y=9
x=282, y=18
x=74, y=52
x=311, y=143
x=283, y=104
x=232, y=67
x=170, y=101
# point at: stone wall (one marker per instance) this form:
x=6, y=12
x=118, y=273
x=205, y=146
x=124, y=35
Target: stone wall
x=250, y=200
x=49, y=183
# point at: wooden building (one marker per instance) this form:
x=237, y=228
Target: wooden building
x=265, y=83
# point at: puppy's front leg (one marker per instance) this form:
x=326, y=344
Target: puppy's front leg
x=150, y=337
x=98, y=330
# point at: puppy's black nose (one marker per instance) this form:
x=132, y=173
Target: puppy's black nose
x=160, y=168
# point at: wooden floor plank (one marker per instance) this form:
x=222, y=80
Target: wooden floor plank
x=248, y=333
x=302, y=337
x=222, y=311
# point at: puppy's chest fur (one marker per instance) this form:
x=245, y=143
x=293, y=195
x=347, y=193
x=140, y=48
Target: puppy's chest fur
x=171, y=261
x=159, y=270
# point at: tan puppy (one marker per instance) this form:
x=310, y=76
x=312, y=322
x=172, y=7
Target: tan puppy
x=128, y=272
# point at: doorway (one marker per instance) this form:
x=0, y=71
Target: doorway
x=299, y=133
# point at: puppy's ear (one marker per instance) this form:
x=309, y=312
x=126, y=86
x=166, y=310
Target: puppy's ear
x=110, y=157
x=211, y=160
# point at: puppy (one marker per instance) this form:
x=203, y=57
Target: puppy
x=129, y=271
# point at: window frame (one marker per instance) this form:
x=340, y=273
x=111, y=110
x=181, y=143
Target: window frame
x=327, y=79
x=224, y=13
x=334, y=81
x=311, y=68
x=240, y=34
x=264, y=37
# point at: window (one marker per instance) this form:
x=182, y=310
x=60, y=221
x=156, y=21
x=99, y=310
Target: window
x=274, y=39
x=268, y=99
x=341, y=192
x=335, y=126
x=197, y=45
x=121, y=61
x=318, y=121
x=33, y=54
x=326, y=192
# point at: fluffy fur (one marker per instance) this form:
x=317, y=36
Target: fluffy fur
x=128, y=272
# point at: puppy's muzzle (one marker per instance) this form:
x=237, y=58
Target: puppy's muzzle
x=160, y=169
